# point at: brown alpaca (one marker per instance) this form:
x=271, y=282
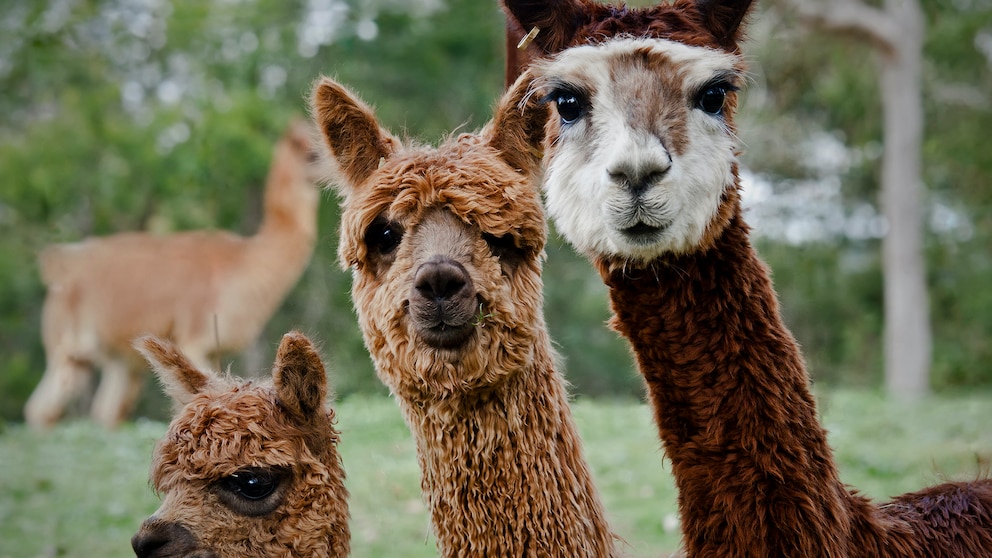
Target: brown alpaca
x=641, y=176
x=210, y=292
x=246, y=468
x=446, y=247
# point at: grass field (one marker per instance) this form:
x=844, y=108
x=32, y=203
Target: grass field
x=81, y=492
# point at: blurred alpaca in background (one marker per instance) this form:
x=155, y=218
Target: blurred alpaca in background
x=209, y=291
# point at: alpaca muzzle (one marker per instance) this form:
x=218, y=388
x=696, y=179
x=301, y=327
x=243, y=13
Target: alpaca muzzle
x=443, y=303
x=166, y=539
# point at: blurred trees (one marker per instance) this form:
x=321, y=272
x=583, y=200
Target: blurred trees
x=161, y=114
x=894, y=32
x=818, y=126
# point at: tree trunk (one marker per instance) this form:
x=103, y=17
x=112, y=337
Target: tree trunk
x=907, y=307
x=896, y=31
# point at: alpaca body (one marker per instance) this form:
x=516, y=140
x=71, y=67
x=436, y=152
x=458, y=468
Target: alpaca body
x=730, y=394
x=641, y=176
x=731, y=403
x=247, y=468
x=211, y=292
x=446, y=246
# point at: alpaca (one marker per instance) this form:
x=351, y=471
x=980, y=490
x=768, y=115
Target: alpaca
x=210, y=292
x=247, y=468
x=446, y=247
x=641, y=175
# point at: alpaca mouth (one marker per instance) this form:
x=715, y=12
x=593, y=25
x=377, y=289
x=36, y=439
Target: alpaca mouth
x=446, y=336
x=643, y=233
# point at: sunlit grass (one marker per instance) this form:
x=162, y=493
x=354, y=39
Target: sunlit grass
x=79, y=491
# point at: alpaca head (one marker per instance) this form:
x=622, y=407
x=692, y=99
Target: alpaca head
x=246, y=468
x=445, y=243
x=563, y=24
x=641, y=151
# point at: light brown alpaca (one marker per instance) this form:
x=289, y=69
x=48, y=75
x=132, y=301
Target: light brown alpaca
x=247, y=468
x=210, y=291
x=641, y=176
x=446, y=247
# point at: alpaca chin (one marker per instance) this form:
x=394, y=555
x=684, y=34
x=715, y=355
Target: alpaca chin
x=489, y=357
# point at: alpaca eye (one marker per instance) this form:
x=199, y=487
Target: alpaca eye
x=712, y=97
x=254, y=491
x=252, y=484
x=383, y=236
x=570, y=105
x=505, y=248
x=500, y=245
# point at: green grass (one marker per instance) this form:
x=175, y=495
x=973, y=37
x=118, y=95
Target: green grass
x=78, y=491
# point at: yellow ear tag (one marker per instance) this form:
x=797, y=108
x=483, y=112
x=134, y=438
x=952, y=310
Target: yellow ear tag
x=528, y=38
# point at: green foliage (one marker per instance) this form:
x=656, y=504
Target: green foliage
x=849, y=288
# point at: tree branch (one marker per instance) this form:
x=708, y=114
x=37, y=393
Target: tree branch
x=849, y=17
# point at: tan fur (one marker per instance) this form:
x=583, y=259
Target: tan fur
x=446, y=247
x=210, y=291
x=227, y=427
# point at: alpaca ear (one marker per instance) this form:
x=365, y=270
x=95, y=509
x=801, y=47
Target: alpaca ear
x=350, y=130
x=557, y=22
x=299, y=377
x=724, y=19
x=180, y=379
x=517, y=128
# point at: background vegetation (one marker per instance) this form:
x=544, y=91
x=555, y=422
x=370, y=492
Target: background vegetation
x=160, y=115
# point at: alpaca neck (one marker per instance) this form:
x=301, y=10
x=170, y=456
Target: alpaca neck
x=503, y=471
x=732, y=403
x=271, y=263
x=286, y=237
x=289, y=223
x=290, y=203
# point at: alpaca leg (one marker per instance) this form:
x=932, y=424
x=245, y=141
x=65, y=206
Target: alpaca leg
x=117, y=393
x=64, y=380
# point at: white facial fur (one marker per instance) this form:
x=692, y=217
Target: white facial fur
x=641, y=126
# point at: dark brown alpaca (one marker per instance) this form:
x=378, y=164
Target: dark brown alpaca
x=641, y=176
x=446, y=247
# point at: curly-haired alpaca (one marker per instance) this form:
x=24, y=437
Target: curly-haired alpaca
x=247, y=468
x=446, y=247
x=641, y=176
x=209, y=291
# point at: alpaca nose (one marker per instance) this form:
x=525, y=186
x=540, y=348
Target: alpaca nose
x=443, y=302
x=637, y=179
x=160, y=538
x=440, y=279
